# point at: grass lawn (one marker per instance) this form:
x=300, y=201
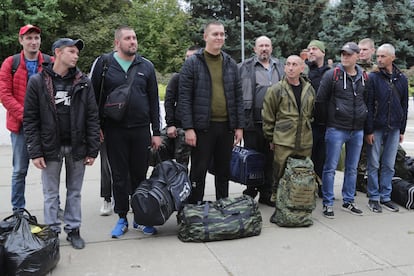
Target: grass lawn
x=161, y=91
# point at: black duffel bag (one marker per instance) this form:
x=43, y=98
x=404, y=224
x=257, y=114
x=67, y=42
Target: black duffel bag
x=164, y=192
x=403, y=192
x=224, y=219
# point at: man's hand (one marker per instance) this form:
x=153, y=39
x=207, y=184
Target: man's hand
x=39, y=163
x=155, y=142
x=369, y=138
x=88, y=161
x=238, y=136
x=172, y=132
x=191, y=137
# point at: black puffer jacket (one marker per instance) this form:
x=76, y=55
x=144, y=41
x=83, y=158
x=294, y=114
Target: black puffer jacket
x=40, y=119
x=340, y=101
x=170, y=102
x=194, y=101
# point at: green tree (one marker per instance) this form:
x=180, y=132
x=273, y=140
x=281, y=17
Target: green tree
x=163, y=32
x=16, y=13
x=383, y=21
x=281, y=21
x=161, y=25
x=93, y=21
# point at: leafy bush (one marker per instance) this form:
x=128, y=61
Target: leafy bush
x=410, y=75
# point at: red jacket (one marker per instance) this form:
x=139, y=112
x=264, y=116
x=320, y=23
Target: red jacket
x=13, y=90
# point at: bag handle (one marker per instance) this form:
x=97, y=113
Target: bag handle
x=161, y=168
x=19, y=214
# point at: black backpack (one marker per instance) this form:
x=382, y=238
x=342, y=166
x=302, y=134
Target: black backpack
x=164, y=192
x=16, y=61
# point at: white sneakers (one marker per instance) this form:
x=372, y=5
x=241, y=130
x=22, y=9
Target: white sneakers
x=106, y=208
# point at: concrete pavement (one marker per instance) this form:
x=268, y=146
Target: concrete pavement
x=368, y=245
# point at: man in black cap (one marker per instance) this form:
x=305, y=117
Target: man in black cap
x=61, y=122
x=340, y=100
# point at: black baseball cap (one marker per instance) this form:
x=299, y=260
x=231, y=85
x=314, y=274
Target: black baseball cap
x=350, y=48
x=65, y=42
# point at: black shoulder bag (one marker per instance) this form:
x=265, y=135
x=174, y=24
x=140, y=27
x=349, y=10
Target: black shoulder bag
x=116, y=102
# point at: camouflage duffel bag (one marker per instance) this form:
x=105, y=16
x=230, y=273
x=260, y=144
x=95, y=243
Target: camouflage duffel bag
x=296, y=194
x=224, y=219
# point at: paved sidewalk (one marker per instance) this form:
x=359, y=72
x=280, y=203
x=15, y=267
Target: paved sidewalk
x=368, y=245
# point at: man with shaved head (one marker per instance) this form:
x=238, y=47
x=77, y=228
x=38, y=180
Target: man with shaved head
x=258, y=73
x=387, y=101
x=287, y=114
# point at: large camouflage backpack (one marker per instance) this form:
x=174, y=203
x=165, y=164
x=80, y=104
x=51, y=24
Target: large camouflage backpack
x=296, y=194
x=224, y=219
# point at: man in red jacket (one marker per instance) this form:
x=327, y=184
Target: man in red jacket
x=12, y=93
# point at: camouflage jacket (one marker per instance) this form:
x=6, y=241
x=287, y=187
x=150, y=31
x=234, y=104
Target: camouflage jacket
x=283, y=123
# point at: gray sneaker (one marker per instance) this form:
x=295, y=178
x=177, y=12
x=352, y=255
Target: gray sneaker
x=374, y=206
x=352, y=208
x=390, y=206
x=106, y=208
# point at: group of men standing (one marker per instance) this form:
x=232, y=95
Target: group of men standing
x=217, y=103
x=355, y=104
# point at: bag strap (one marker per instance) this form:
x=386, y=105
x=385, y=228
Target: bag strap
x=105, y=58
x=16, y=61
x=391, y=84
x=131, y=80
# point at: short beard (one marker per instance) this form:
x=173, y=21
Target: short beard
x=129, y=54
x=263, y=57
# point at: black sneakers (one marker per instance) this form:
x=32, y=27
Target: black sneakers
x=390, y=206
x=75, y=239
x=351, y=208
x=328, y=212
x=374, y=206
x=250, y=191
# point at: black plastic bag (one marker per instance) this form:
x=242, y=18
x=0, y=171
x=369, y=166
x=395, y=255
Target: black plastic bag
x=28, y=253
x=2, y=261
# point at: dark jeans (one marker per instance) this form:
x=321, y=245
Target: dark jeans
x=106, y=175
x=215, y=144
x=254, y=139
x=318, y=148
x=128, y=151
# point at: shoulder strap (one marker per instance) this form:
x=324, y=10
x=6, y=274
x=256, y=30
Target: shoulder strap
x=391, y=84
x=365, y=75
x=105, y=61
x=336, y=73
x=16, y=62
x=46, y=58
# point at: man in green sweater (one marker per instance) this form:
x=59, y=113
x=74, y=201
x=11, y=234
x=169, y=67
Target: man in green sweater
x=210, y=106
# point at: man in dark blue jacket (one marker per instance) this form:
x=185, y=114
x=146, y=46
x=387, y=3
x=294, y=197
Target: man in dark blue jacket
x=387, y=103
x=210, y=105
